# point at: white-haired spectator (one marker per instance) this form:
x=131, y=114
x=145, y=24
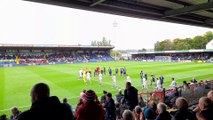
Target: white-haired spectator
x=15, y=113
x=183, y=112
x=205, y=107
x=163, y=114
x=210, y=95
x=127, y=115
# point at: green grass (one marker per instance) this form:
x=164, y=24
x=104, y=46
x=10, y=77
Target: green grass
x=16, y=82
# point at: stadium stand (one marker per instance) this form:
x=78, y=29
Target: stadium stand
x=175, y=56
x=15, y=55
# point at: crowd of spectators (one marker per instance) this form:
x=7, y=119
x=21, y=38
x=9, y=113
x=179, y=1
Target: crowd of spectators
x=53, y=58
x=174, y=57
x=126, y=106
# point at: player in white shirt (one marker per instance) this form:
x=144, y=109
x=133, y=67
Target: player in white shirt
x=100, y=78
x=80, y=74
x=144, y=83
x=88, y=77
x=114, y=80
x=128, y=79
x=158, y=84
x=173, y=84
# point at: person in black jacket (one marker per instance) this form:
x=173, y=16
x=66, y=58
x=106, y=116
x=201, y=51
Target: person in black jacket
x=130, y=96
x=45, y=107
x=110, y=107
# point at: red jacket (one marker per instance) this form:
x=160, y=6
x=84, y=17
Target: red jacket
x=90, y=111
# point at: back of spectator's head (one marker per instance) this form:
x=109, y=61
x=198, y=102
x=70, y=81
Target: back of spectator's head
x=84, y=91
x=204, y=103
x=210, y=95
x=90, y=95
x=127, y=115
x=181, y=103
x=161, y=107
x=14, y=110
x=138, y=109
x=128, y=85
x=40, y=91
x=104, y=92
x=109, y=95
x=117, y=105
x=65, y=100
x=3, y=117
x=120, y=91
x=152, y=104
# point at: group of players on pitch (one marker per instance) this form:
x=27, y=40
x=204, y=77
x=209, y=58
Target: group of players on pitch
x=86, y=76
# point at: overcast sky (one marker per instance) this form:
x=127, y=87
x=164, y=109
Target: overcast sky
x=34, y=23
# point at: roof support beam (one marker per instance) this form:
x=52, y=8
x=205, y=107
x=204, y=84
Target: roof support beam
x=96, y=2
x=188, y=9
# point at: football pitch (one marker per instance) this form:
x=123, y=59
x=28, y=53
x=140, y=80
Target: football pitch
x=63, y=79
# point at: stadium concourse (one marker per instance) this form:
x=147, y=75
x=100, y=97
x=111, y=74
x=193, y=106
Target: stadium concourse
x=15, y=55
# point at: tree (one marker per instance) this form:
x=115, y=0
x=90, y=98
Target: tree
x=142, y=50
x=116, y=53
x=103, y=42
x=198, y=42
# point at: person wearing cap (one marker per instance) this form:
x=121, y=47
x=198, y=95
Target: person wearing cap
x=90, y=109
x=110, y=107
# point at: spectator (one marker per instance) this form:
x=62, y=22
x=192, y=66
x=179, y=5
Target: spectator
x=182, y=110
x=110, y=107
x=3, y=117
x=186, y=87
x=103, y=98
x=119, y=96
x=141, y=102
x=130, y=96
x=205, y=106
x=150, y=111
x=15, y=113
x=163, y=114
x=90, y=109
x=45, y=107
x=82, y=94
x=138, y=113
x=127, y=115
x=210, y=95
x=65, y=102
x=118, y=111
